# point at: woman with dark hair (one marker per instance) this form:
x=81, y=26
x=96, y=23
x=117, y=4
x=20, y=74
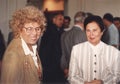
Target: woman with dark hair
x=94, y=62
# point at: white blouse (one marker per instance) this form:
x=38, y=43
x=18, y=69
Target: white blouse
x=28, y=52
x=88, y=62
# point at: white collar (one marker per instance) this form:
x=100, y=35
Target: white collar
x=96, y=48
x=79, y=27
x=67, y=29
x=27, y=50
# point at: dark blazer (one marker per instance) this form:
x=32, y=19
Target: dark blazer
x=17, y=68
x=10, y=37
x=50, y=54
x=2, y=46
x=105, y=37
x=68, y=40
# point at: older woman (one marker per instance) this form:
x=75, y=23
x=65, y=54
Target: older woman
x=94, y=62
x=21, y=63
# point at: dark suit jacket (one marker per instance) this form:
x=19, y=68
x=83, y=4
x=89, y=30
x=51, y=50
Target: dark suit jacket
x=17, y=68
x=105, y=37
x=68, y=40
x=50, y=54
x=2, y=46
x=10, y=37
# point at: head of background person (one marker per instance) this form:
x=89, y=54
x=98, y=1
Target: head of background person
x=108, y=19
x=94, y=28
x=79, y=18
x=116, y=21
x=28, y=23
x=58, y=19
x=67, y=21
x=88, y=14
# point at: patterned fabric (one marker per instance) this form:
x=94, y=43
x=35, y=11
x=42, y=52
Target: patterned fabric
x=88, y=62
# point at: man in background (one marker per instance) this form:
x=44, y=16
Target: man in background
x=2, y=48
x=50, y=51
x=112, y=30
x=66, y=24
x=74, y=36
x=116, y=21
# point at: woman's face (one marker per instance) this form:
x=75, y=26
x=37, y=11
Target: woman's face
x=93, y=33
x=31, y=33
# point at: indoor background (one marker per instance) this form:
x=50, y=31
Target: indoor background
x=68, y=7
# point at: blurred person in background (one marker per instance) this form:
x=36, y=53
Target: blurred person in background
x=10, y=37
x=116, y=21
x=66, y=23
x=2, y=48
x=50, y=51
x=112, y=30
x=70, y=38
x=2, y=45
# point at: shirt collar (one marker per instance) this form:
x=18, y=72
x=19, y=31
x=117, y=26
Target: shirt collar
x=96, y=48
x=67, y=29
x=79, y=27
x=27, y=50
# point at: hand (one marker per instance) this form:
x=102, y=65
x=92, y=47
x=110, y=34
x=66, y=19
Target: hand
x=0, y=66
x=89, y=82
x=66, y=73
x=97, y=82
x=94, y=82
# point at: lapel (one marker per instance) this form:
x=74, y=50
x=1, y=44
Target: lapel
x=39, y=66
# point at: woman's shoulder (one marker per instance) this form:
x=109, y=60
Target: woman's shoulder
x=110, y=47
x=14, y=46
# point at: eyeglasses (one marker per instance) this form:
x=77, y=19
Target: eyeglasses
x=31, y=29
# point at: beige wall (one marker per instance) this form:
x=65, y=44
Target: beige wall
x=98, y=7
x=73, y=7
x=7, y=7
